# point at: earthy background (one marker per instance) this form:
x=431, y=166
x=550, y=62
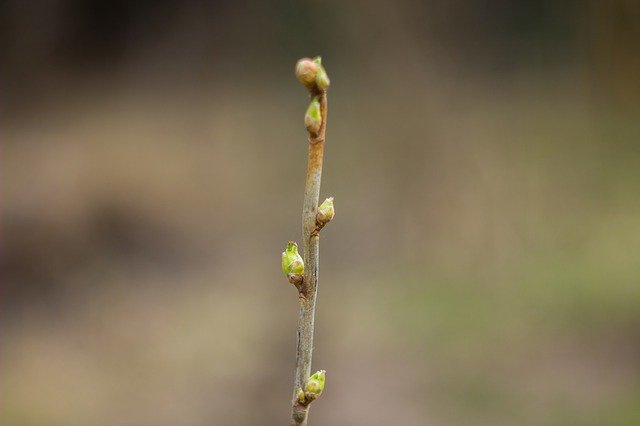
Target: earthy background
x=483, y=266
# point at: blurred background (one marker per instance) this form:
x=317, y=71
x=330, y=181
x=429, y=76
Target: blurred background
x=482, y=268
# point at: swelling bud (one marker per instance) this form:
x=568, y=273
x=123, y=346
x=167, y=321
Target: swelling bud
x=313, y=118
x=322, y=79
x=325, y=212
x=292, y=264
x=306, y=72
x=315, y=384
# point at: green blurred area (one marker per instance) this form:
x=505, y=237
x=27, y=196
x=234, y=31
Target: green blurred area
x=482, y=267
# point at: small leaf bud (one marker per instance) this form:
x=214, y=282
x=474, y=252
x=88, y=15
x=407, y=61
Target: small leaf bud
x=315, y=384
x=306, y=72
x=292, y=263
x=325, y=212
x=322, y=79
x=300, y=395
x=313, y=118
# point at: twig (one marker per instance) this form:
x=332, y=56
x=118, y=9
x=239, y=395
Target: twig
x=307, y=388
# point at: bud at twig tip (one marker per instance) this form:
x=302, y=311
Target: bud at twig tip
x=322, y=79
x=312, y=74
x=306, y=72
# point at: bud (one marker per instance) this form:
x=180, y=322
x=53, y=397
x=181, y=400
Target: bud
x=313, y=118
x=306, y=72
x=325, y=212
x=292, y=263
x=315, y=384
x=322, y=79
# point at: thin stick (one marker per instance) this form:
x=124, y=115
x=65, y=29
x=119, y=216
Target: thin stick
x=311, y=247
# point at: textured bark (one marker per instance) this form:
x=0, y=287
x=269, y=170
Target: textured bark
x=311, y=255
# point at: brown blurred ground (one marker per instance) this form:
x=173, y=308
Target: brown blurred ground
x=482, y=267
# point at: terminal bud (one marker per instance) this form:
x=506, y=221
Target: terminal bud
x=307, y=71
x=322, y=79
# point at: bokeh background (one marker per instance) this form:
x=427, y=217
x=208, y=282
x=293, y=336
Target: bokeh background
x=483, y=266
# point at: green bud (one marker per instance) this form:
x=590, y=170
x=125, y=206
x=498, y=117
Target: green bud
x=322, y=79
x=300, y=395
x=292, y=263
x=306, y=72
x=325, y=212
x=313, y=118
x=315, y=384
